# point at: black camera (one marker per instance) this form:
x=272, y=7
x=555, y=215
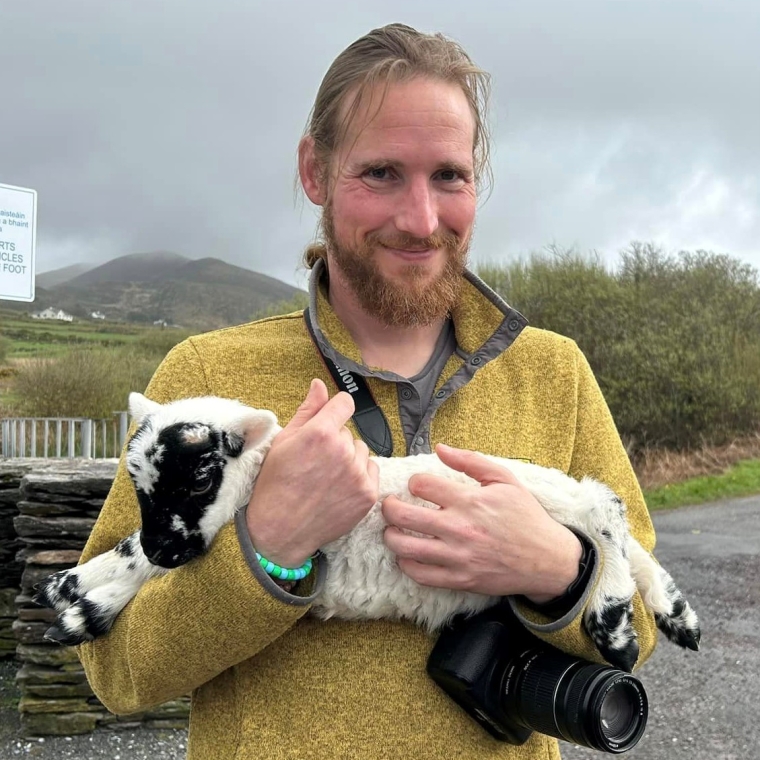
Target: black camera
x=513, y=684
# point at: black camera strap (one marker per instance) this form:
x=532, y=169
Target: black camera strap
x=368, y=416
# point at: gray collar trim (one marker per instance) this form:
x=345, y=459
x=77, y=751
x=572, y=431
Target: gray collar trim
x=504, y=335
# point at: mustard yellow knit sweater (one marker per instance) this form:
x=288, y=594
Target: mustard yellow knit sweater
x=268, y=680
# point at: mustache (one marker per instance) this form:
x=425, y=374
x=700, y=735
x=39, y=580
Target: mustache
x=405, y=242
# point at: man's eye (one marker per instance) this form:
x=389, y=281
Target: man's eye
x=378, y=172
x=450, y=175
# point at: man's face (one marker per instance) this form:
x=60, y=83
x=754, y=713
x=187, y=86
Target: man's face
x=402, y=202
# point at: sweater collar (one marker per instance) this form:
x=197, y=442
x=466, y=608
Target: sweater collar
x=483, y=322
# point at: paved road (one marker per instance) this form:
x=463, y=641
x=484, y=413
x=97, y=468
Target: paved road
x=704, y=706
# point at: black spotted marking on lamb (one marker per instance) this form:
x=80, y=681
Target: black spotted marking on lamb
x=233, y=443
x=69, y=588
x=613, y=634
x=680, y=626
x=125, y=547
x=187, y=481
x=620, y=504
x=95, y=622
x=607, y=534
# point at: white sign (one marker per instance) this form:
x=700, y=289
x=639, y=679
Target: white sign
x=18, y=228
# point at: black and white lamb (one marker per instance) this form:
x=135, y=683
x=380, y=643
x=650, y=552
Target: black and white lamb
x=193, y=463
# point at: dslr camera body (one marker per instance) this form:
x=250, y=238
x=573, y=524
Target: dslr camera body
x=513, y=684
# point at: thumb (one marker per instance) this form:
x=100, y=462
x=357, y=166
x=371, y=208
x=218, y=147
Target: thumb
x=476, y=465
x=315, y=399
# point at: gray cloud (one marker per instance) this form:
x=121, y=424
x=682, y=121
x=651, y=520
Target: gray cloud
x=149, y=126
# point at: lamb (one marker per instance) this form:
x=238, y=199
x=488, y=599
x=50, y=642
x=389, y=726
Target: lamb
x=193, y=463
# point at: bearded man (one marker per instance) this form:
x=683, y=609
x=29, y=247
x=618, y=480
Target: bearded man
x=395, y=154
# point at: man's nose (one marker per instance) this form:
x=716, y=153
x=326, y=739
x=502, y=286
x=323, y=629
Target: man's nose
x=417, y=214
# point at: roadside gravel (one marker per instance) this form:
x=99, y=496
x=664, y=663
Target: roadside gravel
x=124, y=744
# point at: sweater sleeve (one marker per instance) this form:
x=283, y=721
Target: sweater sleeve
x=188, y=626
x=598, y=452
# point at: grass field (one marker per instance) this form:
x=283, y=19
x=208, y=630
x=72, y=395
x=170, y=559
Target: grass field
x=31, y=338
x=741, y=479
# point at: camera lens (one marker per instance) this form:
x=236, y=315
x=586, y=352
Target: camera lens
x=619, y=713
x=591, y=705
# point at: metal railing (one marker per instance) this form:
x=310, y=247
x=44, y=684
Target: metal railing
x=64, y=437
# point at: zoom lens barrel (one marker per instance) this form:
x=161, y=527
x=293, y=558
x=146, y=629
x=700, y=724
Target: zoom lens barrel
x=588, y=704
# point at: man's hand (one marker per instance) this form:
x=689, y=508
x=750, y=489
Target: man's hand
x=317, y=482
x=492, y=538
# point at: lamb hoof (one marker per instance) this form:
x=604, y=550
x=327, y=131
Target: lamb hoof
x=59, y=635
x=681, y=630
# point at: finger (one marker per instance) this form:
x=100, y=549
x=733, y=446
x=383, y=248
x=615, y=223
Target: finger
x=361, y=453
x=427, y=550
x=373, y=473
x=401, y=514
x=336, y=412
x=475, y=465
x=315, y=399
x=441, y=490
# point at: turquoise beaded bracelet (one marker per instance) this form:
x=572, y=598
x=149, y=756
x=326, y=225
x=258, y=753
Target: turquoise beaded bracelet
x=284, y=573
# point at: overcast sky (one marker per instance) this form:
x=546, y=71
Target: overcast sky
x=173, y=125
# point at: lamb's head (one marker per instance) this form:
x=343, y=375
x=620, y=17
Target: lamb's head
x=192, y=463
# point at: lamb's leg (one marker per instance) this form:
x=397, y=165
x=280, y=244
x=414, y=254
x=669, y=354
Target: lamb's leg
x=62, y=589
x=90, y=596
x=597, y=512
x=672, y=613
x=608, y=618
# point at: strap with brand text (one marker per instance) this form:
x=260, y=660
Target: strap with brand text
x=368, y=416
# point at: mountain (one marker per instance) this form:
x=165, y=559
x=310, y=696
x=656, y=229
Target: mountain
x=199, y=294
x=59, y=276
x=136, y=267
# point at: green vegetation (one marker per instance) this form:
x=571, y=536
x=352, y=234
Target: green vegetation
x=299, y=301
x=79, y=368
x=674, y=341
x=27, y=338
x=743, y=479
x=79, y=383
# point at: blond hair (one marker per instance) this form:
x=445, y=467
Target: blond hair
x=390, y=54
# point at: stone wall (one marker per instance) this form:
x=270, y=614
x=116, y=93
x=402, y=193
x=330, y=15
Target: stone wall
x=11, y=473
x=57, y=504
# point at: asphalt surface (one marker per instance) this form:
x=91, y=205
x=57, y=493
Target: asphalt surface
x=703, y=706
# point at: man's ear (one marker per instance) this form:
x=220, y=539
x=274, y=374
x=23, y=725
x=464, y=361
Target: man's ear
x=252, y=431
x=140, y=407
x=311, y=172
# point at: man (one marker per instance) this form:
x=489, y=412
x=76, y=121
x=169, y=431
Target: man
x=394, y=154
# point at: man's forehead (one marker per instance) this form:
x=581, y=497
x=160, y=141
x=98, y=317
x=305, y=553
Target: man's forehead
x=418, y=111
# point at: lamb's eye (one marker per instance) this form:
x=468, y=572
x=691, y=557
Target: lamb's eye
x=201, y=486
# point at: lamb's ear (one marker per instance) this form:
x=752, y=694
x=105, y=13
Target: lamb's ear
x=140, y=407
x=255, y=427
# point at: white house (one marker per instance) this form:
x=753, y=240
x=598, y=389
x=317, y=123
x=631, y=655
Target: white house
x=97, y=315
x=51, y=313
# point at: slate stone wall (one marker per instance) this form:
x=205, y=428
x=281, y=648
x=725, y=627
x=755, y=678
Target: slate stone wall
x=55, y=505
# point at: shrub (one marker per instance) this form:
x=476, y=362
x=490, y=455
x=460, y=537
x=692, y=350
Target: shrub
x=157, y=341
x=82, y=383
x=674, y=341
x=296, y=303
x=5, y=348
